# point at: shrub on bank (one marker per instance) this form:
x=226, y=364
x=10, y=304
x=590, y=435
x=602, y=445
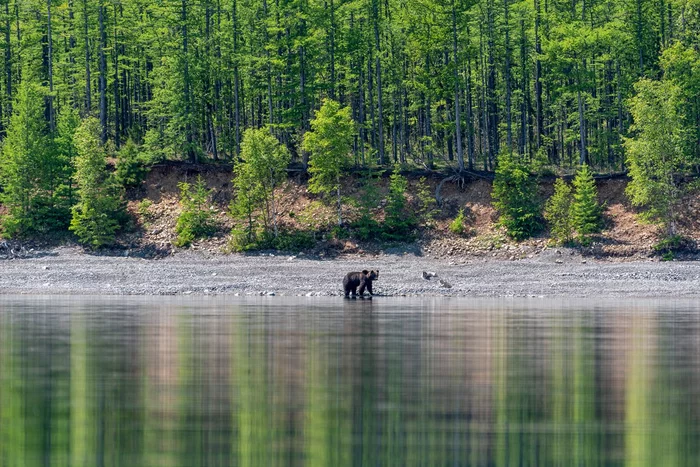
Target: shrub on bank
x=458, y=226
x=196, y=219
x=515, y=197
x=557, y=212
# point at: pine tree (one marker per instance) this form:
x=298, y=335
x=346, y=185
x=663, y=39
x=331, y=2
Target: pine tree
x=515, y=197
x=132, y=166
x=33, y=175
x=398, y=221
x=557, y=212
x=96, y=216
x=586, y=213
x=196, y=219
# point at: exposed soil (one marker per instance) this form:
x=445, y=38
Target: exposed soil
x=624, y=237
x=484, y=262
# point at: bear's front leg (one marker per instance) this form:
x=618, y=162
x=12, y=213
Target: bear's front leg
x=369, y=288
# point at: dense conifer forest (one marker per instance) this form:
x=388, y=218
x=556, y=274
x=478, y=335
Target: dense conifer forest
x=432, y=84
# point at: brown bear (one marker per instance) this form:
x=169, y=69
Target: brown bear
x=363, y=279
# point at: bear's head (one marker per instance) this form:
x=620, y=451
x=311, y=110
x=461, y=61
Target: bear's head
x=373, y=275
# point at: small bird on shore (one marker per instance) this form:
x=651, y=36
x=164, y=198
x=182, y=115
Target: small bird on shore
x=427, y=275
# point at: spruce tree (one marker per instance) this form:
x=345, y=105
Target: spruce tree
x=196, y=219
x=32, y=173
x=132, y=166
x=557, y=212
x=586, y=213
x=98, y=211
x=515, y=197
x=398, y=221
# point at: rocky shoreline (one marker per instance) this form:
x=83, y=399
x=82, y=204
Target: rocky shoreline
x=552, y=273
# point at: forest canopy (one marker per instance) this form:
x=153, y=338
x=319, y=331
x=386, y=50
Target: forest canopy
x=428, y=82
x=515, y=88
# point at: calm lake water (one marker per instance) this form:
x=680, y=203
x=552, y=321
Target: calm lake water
x=279, y=381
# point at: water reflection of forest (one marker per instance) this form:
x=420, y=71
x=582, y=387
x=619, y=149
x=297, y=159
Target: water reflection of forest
x=143, y=385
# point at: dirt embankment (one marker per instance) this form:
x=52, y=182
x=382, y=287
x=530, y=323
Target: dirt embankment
x=624, y=236
x=619, y=263
x=155, y=209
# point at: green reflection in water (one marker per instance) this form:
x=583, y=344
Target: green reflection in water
x=12, y=409
x=257, y=387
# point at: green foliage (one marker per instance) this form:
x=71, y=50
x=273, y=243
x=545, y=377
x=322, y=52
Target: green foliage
x=34, y=175
x=557, y=212
x=67, y=123
x=286, y=240
x=196, y=219
x=144, y=208
x=366, y=227
x=658, y=151
x=339, y=232
x=329, y=143
x=316, y=216
x=261, y=171
x=132, y=165
x=515, y=197
x=186, y=80
x=681, y=65
x=457, y=225
x=427, y=205
x=99, y=210
x=398, y=221
x=586, y=212
x=669, y=246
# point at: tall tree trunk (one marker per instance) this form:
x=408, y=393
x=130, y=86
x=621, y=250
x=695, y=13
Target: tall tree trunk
x=640, y=37
x=71, y=56
x=103, y=75
x=509, y=117
x=332, y=48
x=268, y=66
x=8, y=59
x=115, y=85
x=524, y=86
x=378, y=67
x=427, y=108
x=470, y=113
x=582, y=128
x=458, y=102
x=49, y=64
x=492, y=106
x=236, y=80
x=538, y=83
x=340, y=212
x=88, y=91
x=190, y=152
x=361, y=111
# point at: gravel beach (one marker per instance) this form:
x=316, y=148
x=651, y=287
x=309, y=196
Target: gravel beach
x=555, y=273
